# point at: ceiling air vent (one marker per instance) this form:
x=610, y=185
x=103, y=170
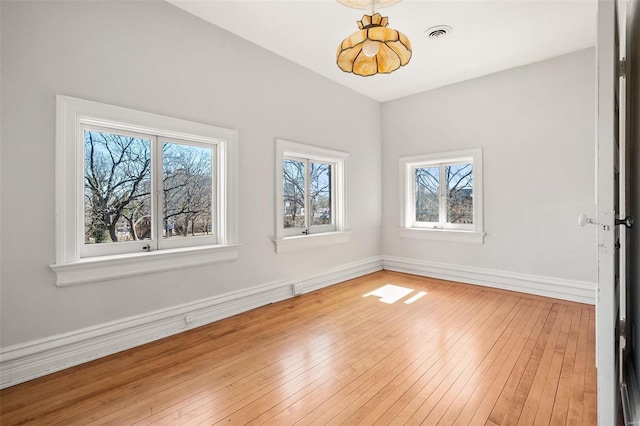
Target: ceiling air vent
x=438, y=32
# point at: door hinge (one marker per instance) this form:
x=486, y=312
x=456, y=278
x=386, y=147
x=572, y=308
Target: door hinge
x=622, y=68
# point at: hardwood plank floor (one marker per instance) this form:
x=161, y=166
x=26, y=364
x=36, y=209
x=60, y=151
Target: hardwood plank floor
x=459, y=355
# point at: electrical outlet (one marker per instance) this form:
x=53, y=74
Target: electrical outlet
x=189, y=318
x=297, y=289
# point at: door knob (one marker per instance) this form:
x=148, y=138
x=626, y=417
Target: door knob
x=583, y=220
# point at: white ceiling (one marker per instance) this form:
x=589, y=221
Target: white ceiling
x=487, y=36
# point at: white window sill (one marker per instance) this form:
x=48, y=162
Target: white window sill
x=442, y=235
x=104, y=268
x=304, y=242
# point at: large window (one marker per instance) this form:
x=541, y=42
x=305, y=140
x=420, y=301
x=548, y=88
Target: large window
x=443, y=192
x=311, y=196
x=146, y=192
x=131, y=183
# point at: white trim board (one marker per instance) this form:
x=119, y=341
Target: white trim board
x=575, y=291
x=26, y=361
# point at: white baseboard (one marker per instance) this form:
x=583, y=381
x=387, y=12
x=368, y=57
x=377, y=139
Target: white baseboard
x=23, y=362
x=575, y=291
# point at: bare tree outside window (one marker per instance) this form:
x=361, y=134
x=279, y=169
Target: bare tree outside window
x=187, y=188
x=427, y=194
x=293, y=193
x=117, y=183
x=459, y=193
x=118, y=188
x=442, y=196
x=320, y=194
x=313, y=197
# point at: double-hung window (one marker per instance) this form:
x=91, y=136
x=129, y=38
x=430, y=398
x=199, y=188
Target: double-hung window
x=311, y=196
x=138, y=192
x=443, y=193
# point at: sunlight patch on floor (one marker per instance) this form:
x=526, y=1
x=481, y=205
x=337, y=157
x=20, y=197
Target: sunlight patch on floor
x=390, y=293
x=415, y=297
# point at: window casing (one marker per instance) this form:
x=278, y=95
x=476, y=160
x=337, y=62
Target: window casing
x=311, y=196
x=140, y=189
x=442, y=196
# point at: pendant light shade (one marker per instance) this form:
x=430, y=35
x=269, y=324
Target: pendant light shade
x=374, y=49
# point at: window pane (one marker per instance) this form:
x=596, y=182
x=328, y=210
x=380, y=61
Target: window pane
x=459, y=193
x=187, y=190
x=293, y=193
x=427, y=187
x=117, y=188
x=320, y=196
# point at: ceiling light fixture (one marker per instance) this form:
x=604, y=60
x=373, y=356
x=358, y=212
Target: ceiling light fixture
x=375, y=48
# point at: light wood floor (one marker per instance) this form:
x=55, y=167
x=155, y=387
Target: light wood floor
x=459, y=355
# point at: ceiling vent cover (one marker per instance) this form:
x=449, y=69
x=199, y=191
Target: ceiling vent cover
x=438, y=32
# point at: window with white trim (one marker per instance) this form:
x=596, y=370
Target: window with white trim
x=311, y=197
x=146, y=192
x=443, y=196
x=135, y=185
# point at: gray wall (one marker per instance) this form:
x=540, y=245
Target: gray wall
x=152, y=56
x=535, y=125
